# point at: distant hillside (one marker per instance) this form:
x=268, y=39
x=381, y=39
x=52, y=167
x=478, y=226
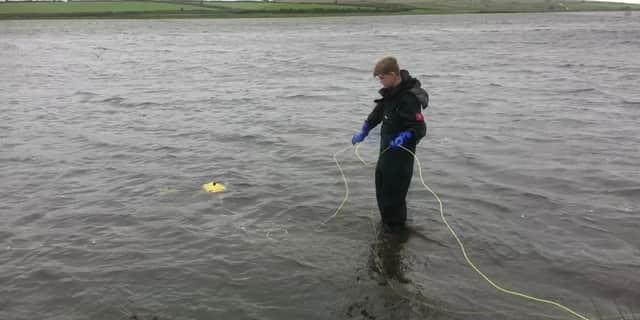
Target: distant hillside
x=462, y=6
x=284, y=8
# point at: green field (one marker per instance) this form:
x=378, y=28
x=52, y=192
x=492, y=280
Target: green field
x=91, y=7
x=271, y=6
x=148, y=9
x=196, y=9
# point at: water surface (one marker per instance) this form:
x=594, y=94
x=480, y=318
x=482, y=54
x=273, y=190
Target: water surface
x=110, y=127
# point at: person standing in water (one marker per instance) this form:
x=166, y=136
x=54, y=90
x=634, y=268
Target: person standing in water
x=400, y=111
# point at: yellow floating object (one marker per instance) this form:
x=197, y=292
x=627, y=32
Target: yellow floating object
x=213, y=187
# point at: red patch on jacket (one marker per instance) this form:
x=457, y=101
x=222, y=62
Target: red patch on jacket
x=419, y=117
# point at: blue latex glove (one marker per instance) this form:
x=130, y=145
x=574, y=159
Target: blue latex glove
x=400, y=139
x=360, y=135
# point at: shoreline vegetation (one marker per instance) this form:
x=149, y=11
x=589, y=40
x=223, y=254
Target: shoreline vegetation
x=152, y=9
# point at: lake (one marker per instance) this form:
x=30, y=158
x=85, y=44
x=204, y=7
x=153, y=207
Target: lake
x=109, y=128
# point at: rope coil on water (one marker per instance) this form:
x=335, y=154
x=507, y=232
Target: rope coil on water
x=444, y=220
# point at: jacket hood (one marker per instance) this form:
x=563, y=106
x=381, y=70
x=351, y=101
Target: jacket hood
x=410, y=84
x=414, y=86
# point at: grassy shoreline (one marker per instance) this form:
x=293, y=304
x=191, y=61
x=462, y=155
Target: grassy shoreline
x=196, y=9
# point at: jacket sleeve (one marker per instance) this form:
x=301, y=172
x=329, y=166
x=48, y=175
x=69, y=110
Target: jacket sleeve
x=376, y=115
x=410, y=116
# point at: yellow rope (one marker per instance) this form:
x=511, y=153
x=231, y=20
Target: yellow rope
x=371, y=219
x=346, y=184
x=461, y=245
x=466, y=257
x=358, y=155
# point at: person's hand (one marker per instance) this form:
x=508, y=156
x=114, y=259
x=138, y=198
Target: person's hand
x=400, y=139
x=360, y=135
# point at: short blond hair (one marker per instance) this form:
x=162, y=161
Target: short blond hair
x=386, y=65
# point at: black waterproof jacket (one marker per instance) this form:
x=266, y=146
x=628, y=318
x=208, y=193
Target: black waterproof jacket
x=400, y=109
